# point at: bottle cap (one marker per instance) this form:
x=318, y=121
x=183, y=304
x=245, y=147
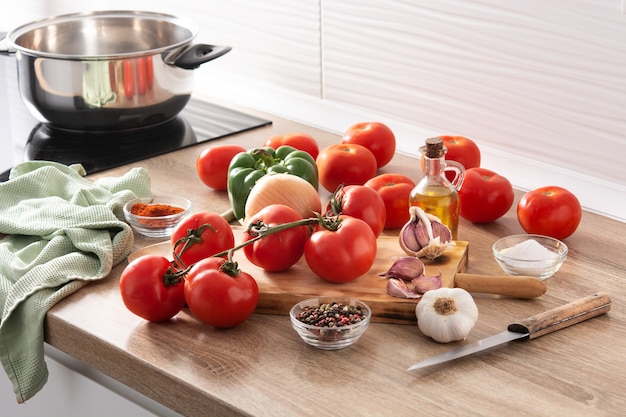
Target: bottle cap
x=434, y=148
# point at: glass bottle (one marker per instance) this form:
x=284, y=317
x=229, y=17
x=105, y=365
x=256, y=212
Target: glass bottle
x=434, y=193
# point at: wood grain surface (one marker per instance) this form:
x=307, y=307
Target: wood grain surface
x=262, y=368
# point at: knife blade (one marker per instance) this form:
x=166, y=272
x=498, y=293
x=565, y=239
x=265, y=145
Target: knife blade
x=530, y=328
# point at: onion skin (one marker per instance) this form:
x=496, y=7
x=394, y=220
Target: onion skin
x=287, y=189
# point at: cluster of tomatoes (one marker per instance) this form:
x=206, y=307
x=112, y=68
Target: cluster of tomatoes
x=215, y=290
x=339, y=246
x=355, y=160
x=486, y=196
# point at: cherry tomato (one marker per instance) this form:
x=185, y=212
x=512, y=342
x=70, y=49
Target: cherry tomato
x=347, y=164
x=277, y=251
x=394, y=189
x=361, y=202
x=151, y=289
x=485, y=196
x=212, y=164
x=204, y=233
x=298, y=140
x=550, y=211
x=462, y=150
x=344, y=254
x=219, y=294
x=375, y=136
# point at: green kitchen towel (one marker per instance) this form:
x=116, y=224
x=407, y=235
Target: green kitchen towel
x=62, y=231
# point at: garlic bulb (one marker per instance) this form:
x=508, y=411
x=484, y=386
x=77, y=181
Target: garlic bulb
x=446, y=314
x=424, y=235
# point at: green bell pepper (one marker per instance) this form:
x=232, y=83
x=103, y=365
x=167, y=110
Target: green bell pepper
x=246, y=168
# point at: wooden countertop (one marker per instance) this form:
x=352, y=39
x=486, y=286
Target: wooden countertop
x=262, y=368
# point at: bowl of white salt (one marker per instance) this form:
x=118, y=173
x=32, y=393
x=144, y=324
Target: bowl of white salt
x=532, y=255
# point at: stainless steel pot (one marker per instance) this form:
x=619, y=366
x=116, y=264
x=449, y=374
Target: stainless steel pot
x=107, y=70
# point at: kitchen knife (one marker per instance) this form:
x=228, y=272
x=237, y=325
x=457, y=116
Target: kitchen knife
x=531, y=327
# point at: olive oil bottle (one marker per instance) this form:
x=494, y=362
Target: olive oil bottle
x=434, y=193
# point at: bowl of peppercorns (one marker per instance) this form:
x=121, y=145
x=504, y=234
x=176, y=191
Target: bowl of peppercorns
x=156, y=216
x=330, y=323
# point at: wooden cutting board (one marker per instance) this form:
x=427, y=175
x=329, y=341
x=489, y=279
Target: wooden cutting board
x=279, y=291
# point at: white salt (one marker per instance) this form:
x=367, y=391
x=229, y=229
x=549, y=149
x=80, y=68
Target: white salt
x=529, y=250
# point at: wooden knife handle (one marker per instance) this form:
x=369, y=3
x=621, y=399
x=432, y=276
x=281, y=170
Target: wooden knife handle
x=510, y=286
x=564, y=316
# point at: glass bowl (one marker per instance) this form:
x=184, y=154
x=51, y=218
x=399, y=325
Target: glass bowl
x=532, y=255
x=155, y=225
x=326, y=337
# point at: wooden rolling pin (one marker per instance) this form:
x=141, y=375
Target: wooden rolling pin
x=510, y=286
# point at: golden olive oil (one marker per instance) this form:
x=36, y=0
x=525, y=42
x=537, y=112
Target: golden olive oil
x=440, y=202
x=434, y=193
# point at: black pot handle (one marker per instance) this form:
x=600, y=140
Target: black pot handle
x=197, y=55
x=4, y=44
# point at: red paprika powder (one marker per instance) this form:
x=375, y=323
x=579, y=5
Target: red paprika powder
x=154, y=210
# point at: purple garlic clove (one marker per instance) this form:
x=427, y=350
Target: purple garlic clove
x=405, y=268
x=427, y=283
x=398, y=288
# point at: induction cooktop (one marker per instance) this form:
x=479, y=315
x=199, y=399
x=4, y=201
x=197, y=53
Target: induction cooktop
x=199, y=122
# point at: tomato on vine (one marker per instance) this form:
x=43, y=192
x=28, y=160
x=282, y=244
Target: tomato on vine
x=277, y=251
x=341, y=251
x=220, y=294
x=361, y=202
x=152, y=289
x=201, y=235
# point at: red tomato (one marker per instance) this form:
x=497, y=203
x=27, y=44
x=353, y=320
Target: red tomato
x=462, y=150
x=150, y=288
x=212, y=164
x=298, y=140
x=346, y=163
x=205, y=234
x=394, y=190
x=375, y=136
x=361, y=202
x=485, y=196
x=344, y=254
x=550, y=211
x=277, y=251
x=218, y=298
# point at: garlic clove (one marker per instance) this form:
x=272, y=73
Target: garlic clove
x=398, y=288
x=441, y=231
x=424, y=235
x=405, y=268
x=427, y=283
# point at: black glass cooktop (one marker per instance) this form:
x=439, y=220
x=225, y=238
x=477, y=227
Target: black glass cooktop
x=199, y=122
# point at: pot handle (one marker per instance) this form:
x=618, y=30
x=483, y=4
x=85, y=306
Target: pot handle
x=194, y=56
x=4, y=43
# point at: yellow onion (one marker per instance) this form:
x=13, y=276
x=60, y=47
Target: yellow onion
x=287, y=189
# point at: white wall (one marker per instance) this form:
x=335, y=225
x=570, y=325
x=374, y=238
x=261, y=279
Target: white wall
x=541, y=86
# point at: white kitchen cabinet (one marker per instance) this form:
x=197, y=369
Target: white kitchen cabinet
x=76, y=390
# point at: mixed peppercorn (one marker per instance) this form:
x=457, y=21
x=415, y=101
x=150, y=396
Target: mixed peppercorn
x=331, y=315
